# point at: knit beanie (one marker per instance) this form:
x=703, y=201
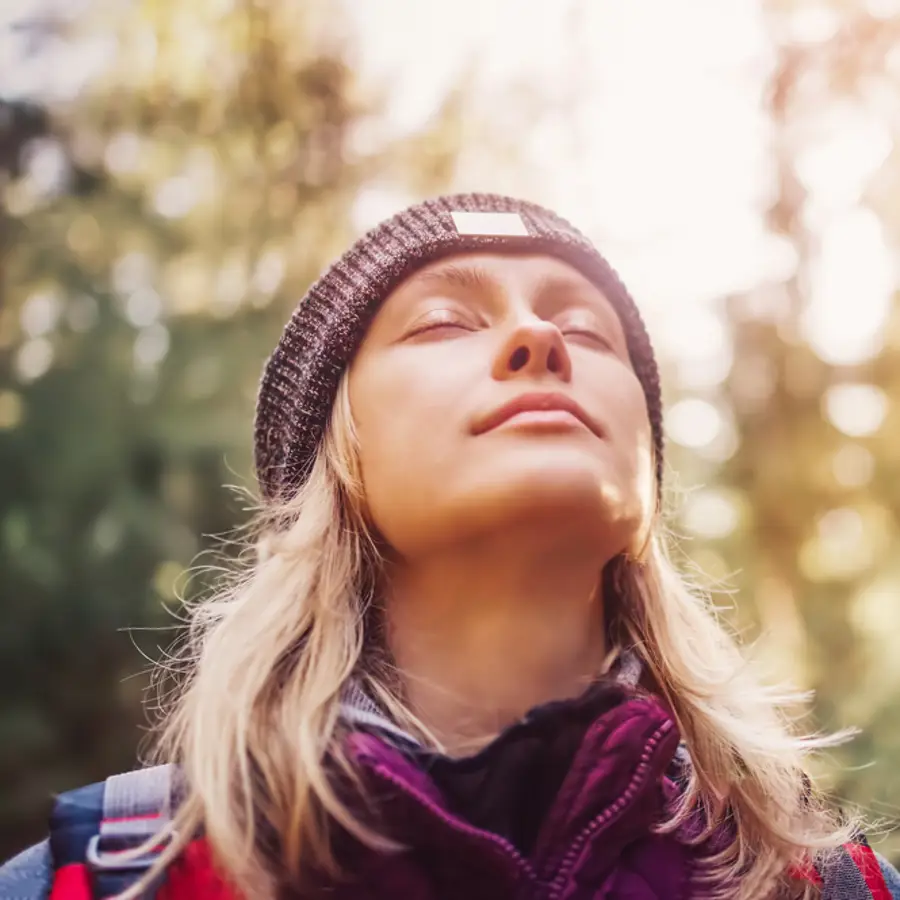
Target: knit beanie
x=301, y=378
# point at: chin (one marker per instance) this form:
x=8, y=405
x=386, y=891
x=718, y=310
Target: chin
x=564, y=486
x=577, y=494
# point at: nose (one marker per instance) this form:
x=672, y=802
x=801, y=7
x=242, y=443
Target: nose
x=533, y=348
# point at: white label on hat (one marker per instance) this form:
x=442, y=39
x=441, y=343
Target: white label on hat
x=493, y=224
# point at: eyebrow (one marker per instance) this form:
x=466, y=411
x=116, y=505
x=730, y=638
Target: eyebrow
x=568, y=288
x=467, y=278
x=566, y=285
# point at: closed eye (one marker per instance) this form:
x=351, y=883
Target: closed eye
x=435, y=325
x=594, y=337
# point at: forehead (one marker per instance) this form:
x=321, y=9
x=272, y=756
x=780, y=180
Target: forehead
x=501, y=268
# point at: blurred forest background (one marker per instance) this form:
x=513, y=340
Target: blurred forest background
x=175, y=174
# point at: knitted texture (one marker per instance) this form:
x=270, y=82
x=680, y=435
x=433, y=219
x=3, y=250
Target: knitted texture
x=301, y=378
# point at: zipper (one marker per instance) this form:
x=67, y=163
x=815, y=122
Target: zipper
x=523, y=867
x=610, y=814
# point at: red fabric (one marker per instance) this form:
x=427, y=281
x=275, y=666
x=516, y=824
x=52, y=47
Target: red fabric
x=807, y=872
x=193, y=876
x=867, y=863
x=71, y=883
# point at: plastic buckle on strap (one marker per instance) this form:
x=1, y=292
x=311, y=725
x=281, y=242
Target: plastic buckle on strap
x=101, y=859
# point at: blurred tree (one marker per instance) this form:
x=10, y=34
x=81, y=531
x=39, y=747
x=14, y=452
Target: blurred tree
x=811, y=478
x=156, y=233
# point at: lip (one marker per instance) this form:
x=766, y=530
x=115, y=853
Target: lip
x=535, y=402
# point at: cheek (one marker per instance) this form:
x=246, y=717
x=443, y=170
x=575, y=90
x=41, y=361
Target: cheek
x=632, y=438
x=640, y=438
x=645, y=472
x=407, y=425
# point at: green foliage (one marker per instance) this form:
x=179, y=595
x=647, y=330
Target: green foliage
x=157, y=234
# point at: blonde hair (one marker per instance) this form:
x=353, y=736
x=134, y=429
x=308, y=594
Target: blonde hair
x=267, y=656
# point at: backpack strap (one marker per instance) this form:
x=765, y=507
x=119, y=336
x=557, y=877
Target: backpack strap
x=28, y=876
x=852, y=872
x=136, y=805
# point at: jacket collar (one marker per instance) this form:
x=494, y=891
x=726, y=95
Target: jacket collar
x=361, y=712
x=613, y=792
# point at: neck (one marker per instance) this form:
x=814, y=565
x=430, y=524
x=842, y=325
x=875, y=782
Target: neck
x=481, y=634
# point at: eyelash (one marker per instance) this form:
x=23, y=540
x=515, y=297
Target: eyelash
x=435, y=324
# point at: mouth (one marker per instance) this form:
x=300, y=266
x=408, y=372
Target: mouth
x=541, y=410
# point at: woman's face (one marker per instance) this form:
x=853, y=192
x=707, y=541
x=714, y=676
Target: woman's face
x=446, y=460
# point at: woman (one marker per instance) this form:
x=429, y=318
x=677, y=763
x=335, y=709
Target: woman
x=460, y=664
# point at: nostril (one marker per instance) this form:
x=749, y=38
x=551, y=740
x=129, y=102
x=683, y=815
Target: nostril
x=554, y=361
x=519, y=359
